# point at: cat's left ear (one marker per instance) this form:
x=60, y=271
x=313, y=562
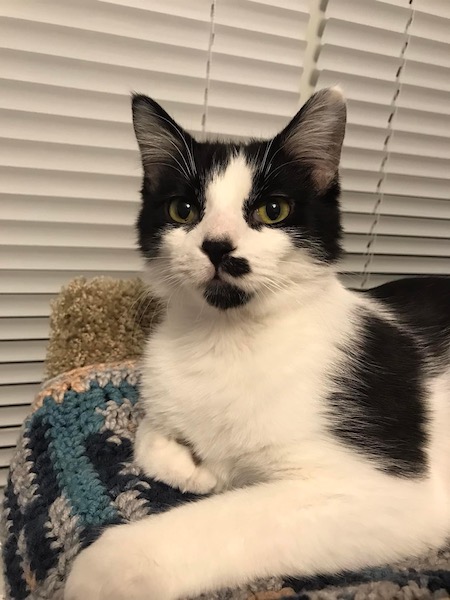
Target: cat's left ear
x=314, y=136
x=161, y=140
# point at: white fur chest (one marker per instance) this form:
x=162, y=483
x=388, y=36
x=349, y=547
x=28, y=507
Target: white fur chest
x=234, y=392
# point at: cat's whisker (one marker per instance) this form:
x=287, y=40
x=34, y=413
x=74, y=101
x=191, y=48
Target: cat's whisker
x=140, y=299
x=175, y=291
x=183, y=139
x=171, y=156
x=168, y=165
x=272, y=159
x=160, y=256
x=202, y=308
x=140, y=314
x=182, y=156
x=272, y=173
x=263, y=162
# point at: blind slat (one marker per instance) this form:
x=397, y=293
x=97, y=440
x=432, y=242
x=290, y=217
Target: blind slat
x=13, y=416
x=67, y=235
x=48, y=182
x=8, y=437
x=400, y=226
x=409, y=265
x=22, y=351
x=70, y=259
x=63, y=209
x=18, y=394
x=6, y=455
x=30, y=328
x=397, y=205
x=48, y=281
x=25, y=305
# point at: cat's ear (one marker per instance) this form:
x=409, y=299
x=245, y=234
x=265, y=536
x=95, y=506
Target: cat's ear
x=314, y=136
x=161, y=140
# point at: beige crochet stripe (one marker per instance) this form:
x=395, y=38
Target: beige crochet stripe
x=79, y=379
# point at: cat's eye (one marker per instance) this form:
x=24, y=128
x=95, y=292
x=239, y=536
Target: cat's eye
x=273, y=211
x=182, y=211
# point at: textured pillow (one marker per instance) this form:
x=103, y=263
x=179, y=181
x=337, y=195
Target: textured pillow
x=99, y=320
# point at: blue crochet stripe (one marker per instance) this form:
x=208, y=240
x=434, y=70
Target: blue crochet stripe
x=69, y=425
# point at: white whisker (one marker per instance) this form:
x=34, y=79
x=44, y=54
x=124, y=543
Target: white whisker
x=183, y=174
x=266, y=153
x=191, y=157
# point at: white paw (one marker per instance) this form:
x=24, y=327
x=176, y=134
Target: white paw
x=168, y=461
x=115, y=567
x=201, y=481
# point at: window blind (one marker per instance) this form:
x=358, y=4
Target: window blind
x=256, y=66
x=70, y=169
x=69, y=165
x=393, y=59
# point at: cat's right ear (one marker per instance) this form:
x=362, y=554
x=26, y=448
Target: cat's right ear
x=314, y=136
x=162, y=142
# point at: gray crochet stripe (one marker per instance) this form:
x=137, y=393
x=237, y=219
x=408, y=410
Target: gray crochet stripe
x=22, y=477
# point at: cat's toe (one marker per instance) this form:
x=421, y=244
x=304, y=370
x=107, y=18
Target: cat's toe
x=202, y=481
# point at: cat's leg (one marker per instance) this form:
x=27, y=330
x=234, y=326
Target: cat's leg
x=278, y=528
x=164, y=459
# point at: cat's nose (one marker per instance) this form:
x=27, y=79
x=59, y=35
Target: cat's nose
x=217, y=250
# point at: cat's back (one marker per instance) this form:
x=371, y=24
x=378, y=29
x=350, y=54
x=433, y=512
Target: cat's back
x=423, y=305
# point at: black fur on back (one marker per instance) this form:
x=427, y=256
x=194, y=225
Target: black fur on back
x=423, y=305
x=380, y=408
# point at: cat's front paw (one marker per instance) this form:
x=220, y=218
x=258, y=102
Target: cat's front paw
x=166, y=460
x=116, y=567
x=202, y=481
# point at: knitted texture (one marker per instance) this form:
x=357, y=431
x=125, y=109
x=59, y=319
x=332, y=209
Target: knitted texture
x=97, y=320
x=72, y=475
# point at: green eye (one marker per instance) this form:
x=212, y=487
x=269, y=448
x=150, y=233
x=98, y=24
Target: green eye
x=183, y=211
x=274, y=211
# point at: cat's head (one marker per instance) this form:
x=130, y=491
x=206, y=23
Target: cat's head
x=231, y=224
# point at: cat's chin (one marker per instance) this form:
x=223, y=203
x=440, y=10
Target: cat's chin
x=224, y=296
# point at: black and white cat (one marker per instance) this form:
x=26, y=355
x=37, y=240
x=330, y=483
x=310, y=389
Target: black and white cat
x=317, y=416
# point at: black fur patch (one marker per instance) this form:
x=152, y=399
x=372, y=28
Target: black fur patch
x=223, y=295
x=314, y=221
x=423, y=304
x=217, y=250
x=236, y=266
x=380, y=410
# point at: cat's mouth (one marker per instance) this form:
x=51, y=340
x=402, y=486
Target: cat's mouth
x=223, y=295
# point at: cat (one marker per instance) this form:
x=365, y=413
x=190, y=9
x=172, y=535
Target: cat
x=315, y=418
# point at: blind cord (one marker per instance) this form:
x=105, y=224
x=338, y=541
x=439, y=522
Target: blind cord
x=376, y=212
x=208, y=67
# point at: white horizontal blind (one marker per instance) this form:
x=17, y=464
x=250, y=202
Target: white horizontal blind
x=393, y=59
x=69, y=166
x=417, y=167
x=256, y=64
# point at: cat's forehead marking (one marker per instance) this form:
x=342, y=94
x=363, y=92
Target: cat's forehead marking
x=229, y=188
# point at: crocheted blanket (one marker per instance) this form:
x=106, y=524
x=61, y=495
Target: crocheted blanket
x=72, y=475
